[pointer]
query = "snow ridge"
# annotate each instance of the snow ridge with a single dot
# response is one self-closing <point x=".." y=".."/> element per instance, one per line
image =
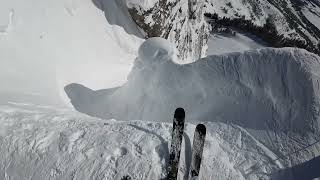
<point x="262" y="89"/>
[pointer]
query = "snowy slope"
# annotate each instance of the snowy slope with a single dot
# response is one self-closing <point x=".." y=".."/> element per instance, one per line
<point x="264" y="89"/>
<point x="46" y="143"/>
<point x="312" y="13"/>
<point x="45" y="45"/>
<point x="294" y="19"/>
<point x="223" y="43"/>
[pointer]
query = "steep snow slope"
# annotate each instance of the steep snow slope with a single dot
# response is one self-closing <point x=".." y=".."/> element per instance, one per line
<point x="46" y="143"/>
<point x="46" y="44"/>
<point x="294" y="19"/>
<point x="274" y="89"/>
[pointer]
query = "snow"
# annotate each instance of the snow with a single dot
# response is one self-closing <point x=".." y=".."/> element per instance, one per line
<point x="261" y="88"/>
<point x="48" y="143"/>
<point x="44" y="45"/>
<point x="4" y="29"/>
<point x="156" y="50"/>
<point x="255" y="104"/>
<point x="222" y="43"/>
<point x="144" y="4"/>
<point x="170" y="20"/>
<point x="259" y="10"/>
<point x="313" y="16"/>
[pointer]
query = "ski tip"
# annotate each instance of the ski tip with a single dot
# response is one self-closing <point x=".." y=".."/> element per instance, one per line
<point x="201" y="128"/>
<point x="179" y="113"/>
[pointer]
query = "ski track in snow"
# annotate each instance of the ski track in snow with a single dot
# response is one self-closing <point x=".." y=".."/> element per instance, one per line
<point x="48" y="143"/>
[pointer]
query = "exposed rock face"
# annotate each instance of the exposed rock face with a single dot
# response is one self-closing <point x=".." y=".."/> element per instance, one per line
<point x="181" y="22"/>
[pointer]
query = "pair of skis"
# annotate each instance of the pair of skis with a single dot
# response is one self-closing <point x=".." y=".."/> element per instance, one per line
<point x="197" y="148"/>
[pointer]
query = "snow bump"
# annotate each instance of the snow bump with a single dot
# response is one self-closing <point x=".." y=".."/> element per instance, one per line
<point x="155" y="50"/>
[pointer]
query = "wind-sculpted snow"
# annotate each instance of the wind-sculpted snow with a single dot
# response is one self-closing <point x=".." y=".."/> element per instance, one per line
<point x="43" y="143"/>
<point x="266" y="89"/>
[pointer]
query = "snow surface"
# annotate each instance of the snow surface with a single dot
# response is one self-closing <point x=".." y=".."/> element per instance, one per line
<point x="313" y="15"/>
<point x="287" y="15"/>
<point x="264" y="89"/>
<point x="44" y="45"/>
<point x="157" y="50"/>
<point x="47" y="143"/>
<point x="222" y="43"/>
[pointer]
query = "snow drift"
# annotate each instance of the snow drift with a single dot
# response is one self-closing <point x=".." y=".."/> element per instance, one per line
<point x="274" y="89"/>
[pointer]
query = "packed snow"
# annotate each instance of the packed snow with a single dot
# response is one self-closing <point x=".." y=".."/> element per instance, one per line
<point x="47" y="143"/>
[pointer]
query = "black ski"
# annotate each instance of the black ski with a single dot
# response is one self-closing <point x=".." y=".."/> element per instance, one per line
<point x="177" y="133"/>
<point x="197" y="150"/>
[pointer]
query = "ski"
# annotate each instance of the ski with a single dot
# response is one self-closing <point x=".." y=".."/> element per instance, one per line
<point x="177" y="134"/>
<point x="197" y="150"/>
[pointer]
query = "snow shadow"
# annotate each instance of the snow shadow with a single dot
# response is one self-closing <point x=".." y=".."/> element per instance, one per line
<point x="306" y="171"/>
<point x="116" y="13"/>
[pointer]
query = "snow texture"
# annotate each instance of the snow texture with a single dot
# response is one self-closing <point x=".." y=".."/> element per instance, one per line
<point x="156" y="51"/>
<point x="40" y="142"/>
<point x="45" y="45"/>
<point x="223" y="43"/>
<point x="274" y="89"/>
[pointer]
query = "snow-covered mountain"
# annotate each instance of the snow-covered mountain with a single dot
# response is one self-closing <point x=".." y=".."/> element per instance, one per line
<point x="295" y="20"/>
<point x="260" y="107"/>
